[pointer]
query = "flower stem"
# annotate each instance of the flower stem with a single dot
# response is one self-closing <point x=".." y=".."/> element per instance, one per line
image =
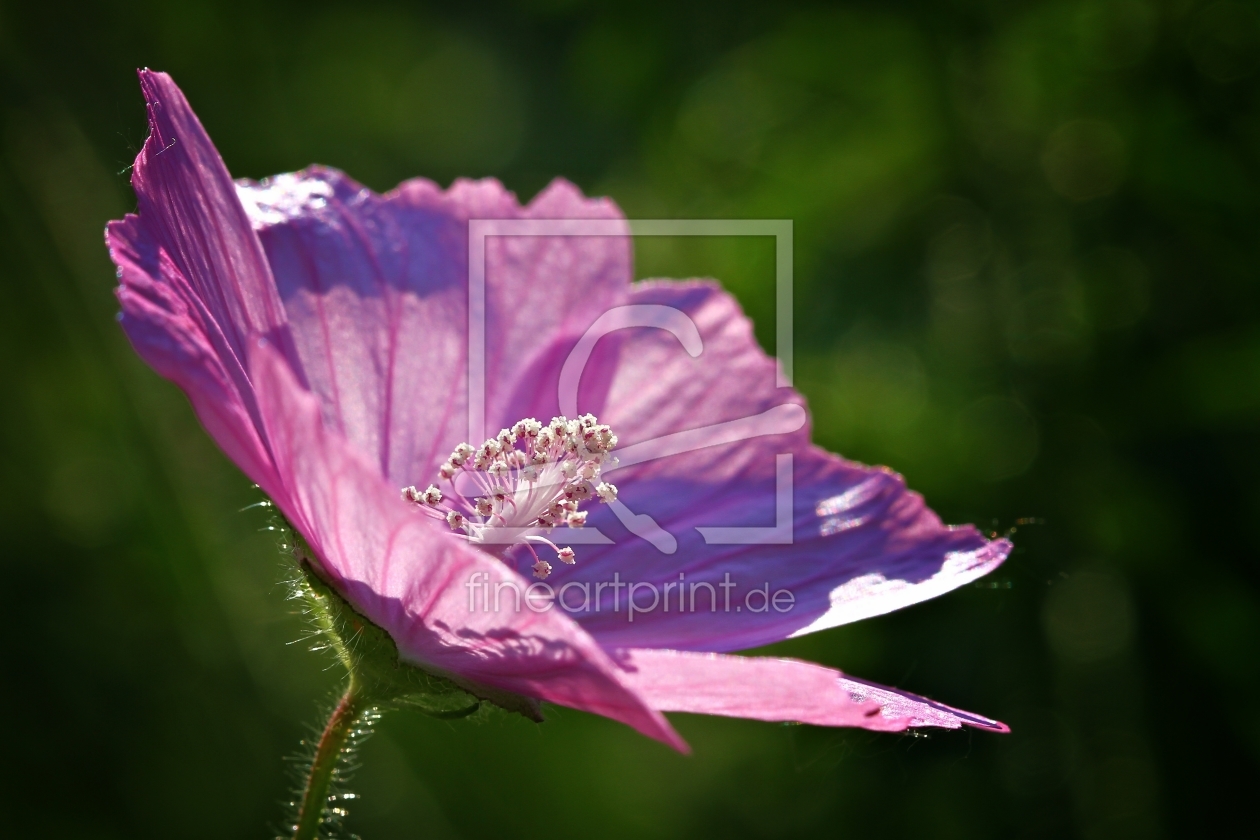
<point x="332" y="742"/>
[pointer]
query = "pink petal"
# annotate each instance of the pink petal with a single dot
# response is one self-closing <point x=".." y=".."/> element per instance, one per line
<point x="193" y="280"/>
<point x="917" y="710"/>
<point x="862" y="544"/>
<point x="187" y="202"/>
<point x="410" y="578"/>
<point x="172" y="332"/>
<point x="376" y="288"/>
<point x="779" y="690"/>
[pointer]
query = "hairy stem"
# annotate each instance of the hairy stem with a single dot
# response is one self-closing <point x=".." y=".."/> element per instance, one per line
<point x="341" y="725"/>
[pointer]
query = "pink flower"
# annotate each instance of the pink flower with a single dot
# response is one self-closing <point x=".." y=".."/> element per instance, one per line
<point x="321" y="332"/>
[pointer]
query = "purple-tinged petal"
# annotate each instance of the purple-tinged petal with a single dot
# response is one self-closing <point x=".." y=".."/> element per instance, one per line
<point x="765" y="688"/>
<point x="917" y="710"/>
<point x="377" y="290"/>
<point x="187" y="201"/>
<point x="861" y="543"/>
<point x="172" y="331"/>
<point x="761" y="688"/>
<point x="409" y="577"/>
<point x="194" y="283"/>
<point x="660" y="389"/>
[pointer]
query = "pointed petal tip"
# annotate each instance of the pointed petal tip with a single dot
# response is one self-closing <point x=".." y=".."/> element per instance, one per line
<point x="914" y="711"/>
<point x="667" y="735"/>
<point x="772" y="689"/>
<point x="151" y="84"/>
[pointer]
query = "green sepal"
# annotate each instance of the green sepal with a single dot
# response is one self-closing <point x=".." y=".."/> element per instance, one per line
<point x="371" y="658"/>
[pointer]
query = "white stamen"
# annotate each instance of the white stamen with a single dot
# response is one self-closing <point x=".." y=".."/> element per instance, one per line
<point x="579" y="491"/>
<point x="461" y="454"/>
<point x="530" y="478"/>
<point x="527" y="428"/>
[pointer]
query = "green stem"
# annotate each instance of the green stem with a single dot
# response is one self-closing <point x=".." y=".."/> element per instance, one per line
<point x="340" y="726"/>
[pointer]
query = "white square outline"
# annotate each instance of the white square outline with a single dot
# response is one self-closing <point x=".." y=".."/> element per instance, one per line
<point x="780" y="229"/>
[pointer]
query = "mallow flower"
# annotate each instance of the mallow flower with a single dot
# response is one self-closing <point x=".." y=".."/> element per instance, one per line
<point x="643" y="498"/>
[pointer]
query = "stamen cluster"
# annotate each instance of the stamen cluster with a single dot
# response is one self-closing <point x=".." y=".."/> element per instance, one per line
<point x="522" y="483"/>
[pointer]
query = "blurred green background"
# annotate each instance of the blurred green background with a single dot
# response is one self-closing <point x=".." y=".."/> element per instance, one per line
<point x="1026" y="278"/>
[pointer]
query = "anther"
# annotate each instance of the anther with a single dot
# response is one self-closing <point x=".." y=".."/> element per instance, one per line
<point x="527" y="428"/>
<point x="532" y="479"/>
<point x="580" y="491"/>
<point x="461" y="454"/>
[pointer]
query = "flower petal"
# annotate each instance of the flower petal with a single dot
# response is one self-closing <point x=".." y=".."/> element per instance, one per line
<point x="377" y="290"/>
<point x="194" y="283"/>
<point x="702" y="440"/>
<point x="172" y="331"/>
<point x="188" y="203"/>
<point x="420" y="584"/>
<point x="771" y="689"/>
<point x="916" y="709"/>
